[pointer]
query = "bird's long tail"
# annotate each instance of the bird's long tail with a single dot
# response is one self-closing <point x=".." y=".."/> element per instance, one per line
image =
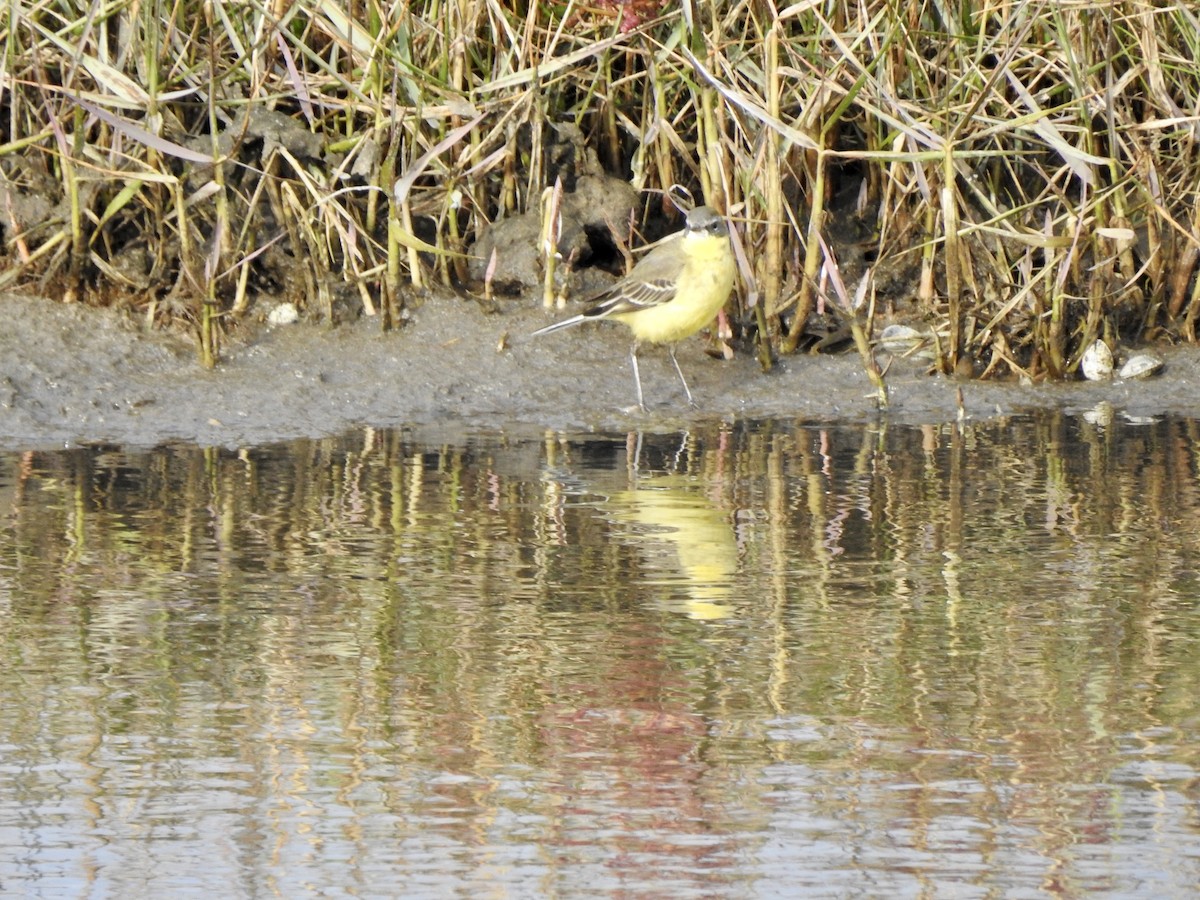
<point x="565" y="323"/>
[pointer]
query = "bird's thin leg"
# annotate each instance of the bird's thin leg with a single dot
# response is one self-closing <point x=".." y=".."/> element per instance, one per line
<point x="678" y="371"/>
<point x="637" y="377"/>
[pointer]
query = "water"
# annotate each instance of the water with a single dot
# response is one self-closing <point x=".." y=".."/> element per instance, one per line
<point x="759" y="660"/>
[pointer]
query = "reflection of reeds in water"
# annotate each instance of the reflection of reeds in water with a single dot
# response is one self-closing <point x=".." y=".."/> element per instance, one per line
<point x="891" y="573"/>
<point x="684" y="540"/>
<point x="361" y="643"/>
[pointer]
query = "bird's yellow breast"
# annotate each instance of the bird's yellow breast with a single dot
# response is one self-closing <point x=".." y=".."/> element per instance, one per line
<point x="701" y="290"/>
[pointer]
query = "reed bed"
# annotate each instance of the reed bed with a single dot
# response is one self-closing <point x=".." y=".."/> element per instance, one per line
<point x="1024" y="174"/>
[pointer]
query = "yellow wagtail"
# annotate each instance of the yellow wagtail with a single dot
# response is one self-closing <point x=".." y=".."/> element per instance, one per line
<point x="674" y="291"/>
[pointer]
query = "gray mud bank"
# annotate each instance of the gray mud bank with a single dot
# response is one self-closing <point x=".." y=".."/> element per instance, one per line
<point x="72" y="375"/>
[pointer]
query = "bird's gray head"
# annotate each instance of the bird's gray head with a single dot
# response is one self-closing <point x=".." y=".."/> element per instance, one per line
<point x="705" y="220"/>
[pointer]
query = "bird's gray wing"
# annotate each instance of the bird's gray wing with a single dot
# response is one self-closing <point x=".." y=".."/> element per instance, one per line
<point x="651" y="282"/>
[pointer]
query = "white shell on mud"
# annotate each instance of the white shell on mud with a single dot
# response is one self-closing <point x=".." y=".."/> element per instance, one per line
<point x="1097" y="362"/>
<point x="1140" y="365"/>
<point x="901" y="339"/>
<point x="283" y="314"/>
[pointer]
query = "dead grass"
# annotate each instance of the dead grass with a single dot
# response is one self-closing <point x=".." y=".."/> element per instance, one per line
<point x="1026" y="172"/>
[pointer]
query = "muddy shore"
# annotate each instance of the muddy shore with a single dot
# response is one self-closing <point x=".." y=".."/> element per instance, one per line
<point x="71" y="375"/>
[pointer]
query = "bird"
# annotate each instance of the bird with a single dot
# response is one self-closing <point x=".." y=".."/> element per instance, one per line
<point x="674" y="290"/>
